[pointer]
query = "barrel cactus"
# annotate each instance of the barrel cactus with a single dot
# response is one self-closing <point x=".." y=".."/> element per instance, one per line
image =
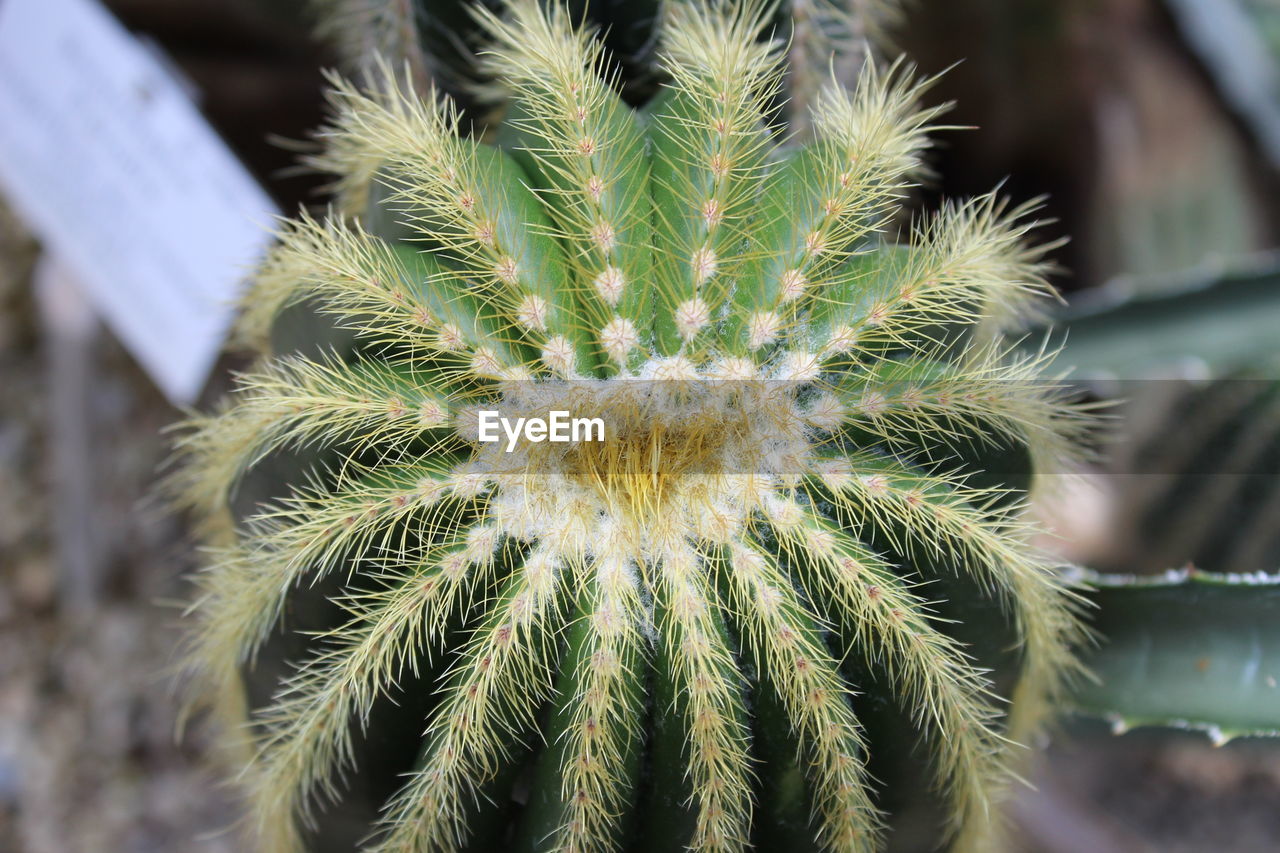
<point x="781" y="566"/>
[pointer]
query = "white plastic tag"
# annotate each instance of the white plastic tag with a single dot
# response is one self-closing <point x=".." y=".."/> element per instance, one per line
<point x="124" y="181"/>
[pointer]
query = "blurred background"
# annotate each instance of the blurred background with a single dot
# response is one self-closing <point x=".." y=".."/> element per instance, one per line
<point x="1152" y="128"/>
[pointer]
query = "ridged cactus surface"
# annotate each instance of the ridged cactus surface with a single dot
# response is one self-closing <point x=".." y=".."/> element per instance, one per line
<point x="653" y="641"/>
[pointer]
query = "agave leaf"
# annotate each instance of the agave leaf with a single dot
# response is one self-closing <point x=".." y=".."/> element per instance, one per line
<point x="1187" y="649"/>
<point x="1218" y="322"/>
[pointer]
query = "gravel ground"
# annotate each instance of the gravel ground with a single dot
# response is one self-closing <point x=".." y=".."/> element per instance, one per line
<point x="88" y="755"/>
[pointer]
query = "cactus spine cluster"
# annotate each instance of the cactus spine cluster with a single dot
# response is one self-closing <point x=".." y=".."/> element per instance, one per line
<point x="693" y="563"/>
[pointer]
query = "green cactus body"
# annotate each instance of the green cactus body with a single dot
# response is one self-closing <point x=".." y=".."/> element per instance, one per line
<point x="677" y="638"/>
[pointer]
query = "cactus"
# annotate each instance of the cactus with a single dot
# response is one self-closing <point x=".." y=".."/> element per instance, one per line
<point x="689" y="633"/>
<point x="829" y="35"/>
<point x="436" y="41"/>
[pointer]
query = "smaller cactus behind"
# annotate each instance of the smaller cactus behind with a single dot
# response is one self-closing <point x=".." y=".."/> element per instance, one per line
<point x="789" y="401"/>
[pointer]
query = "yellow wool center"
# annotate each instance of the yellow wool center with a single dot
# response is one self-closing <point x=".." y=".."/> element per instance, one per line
<point x="680" y="460"/>
<point x="636" y="472"/>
